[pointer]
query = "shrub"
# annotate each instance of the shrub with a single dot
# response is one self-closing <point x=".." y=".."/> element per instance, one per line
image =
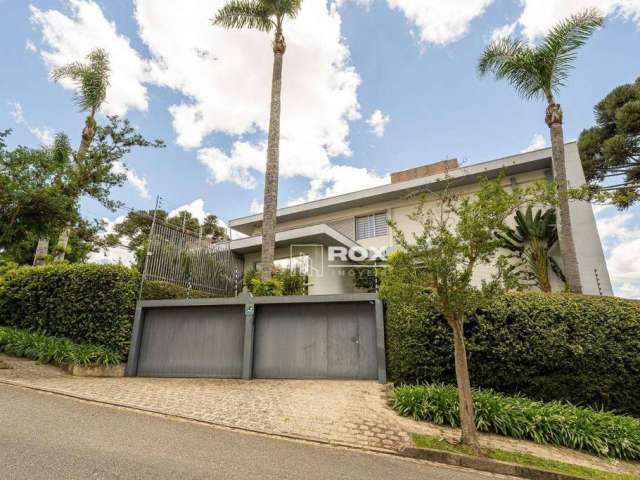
<point x="271" y="287"/>
<point x="43" y="348"/>
<point x="577" y="348"/>
<point x="284" y="282"/>
<point x="157" y="290"/>
<point x="89" y="304"/>
<point x="554" y="423"/>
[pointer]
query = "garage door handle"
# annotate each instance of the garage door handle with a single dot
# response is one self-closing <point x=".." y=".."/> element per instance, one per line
<point x="355" y="339"/>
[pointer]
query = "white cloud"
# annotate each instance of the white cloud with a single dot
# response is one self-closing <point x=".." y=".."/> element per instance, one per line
<point x="44" y="134"/>
<point x="441" y="22"/>
<point x="537" y="16"/>
<point x="29" y="45"/>
<point x="113" y="255"/>
<point x="136" y="181"/>
<point x="195" y="208"/>
<point x="504" y="31"/>
<point x="537" y="142"/>
<point x="71" y="38"/>
<point x="256" y="207"/>
<point x="620" y="235"/>
<point x="378" y="122"/>
<point x="225" y="77"/>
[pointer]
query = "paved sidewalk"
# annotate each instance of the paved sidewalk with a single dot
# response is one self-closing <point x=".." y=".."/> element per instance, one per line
<point x="350" y="413"/>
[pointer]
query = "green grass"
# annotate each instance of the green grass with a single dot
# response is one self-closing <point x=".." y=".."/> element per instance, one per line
<point x="45" y="349"/>
<point x="426" y="441"/>
<point x="554" y="423"/>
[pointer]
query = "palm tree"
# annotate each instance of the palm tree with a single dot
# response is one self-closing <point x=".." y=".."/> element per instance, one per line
<point x="538" y="72"/>
<point x="266" y="15"/>
<point x="531" y="241"/>
<point x="92" y="81"/>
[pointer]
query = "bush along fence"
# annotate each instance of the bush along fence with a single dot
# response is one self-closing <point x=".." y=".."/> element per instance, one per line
<point x="45" y="349"/>
<point x="556" y="423"/>
<point x="85" y="303"/>
<point x="576" y="348"/>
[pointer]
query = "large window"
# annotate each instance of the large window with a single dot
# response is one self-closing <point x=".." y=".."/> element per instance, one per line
<point x="370" y="226"/>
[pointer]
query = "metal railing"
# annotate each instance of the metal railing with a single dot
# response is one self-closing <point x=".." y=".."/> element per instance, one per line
<point x="191" y="261"/>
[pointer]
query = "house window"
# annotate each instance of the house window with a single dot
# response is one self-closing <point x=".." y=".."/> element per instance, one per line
<point x="370" y="226"/>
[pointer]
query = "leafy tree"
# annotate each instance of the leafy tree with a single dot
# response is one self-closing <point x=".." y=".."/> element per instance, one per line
<point x="40" y="188"/>
<point x="611" y="149"/>
<point x="538" y="72"/>
<point x="266" y="15"/>
<point x="531" y="242"/>
<point x="457" y="235"/>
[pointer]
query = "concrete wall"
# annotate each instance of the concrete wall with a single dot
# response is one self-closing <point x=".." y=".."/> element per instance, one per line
<point x="593" y="266"/>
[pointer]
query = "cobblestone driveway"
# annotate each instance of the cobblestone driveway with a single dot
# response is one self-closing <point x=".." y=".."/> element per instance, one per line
<point x="339" y="412"/>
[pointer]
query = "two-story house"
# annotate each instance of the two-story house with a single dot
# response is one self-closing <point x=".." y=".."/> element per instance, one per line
<point x="317" y="234"/>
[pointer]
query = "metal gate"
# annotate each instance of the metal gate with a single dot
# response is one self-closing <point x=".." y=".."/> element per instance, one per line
<point x="322" y="340"/>
<point x="194" y="342"/>
<point x="322" y="336"/>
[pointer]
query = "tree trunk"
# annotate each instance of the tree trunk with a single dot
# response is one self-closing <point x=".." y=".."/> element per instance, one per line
<point x="63" y="241"/>
<point x="42" y="250"/>
<point x="565" y="233"/>
<point x="273" y="153"/>
<point x="467" y="414"/>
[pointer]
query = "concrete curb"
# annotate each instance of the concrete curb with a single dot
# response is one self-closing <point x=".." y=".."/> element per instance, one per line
<point x="484" y="464"/>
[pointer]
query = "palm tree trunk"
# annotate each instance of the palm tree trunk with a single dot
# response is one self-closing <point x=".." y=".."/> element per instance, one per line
<point x="273" y="153"/>
<point x="565" y="232"/>
<point x="465" y="399"/>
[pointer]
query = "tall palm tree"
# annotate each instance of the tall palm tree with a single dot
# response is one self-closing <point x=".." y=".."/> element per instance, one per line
<point x="531" y="242"/>
<point x="92" y="81"/>
<point x="538" y="72"/>
<point x="266" y="15"/>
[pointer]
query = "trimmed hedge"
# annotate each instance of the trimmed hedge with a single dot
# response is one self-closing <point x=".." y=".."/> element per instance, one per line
<point x="86" y="303"/>
<point x="576" y="348"/>
<point x="156" y="290"/>
<point x="43" y="348"/>
<point x="554" y="423"/>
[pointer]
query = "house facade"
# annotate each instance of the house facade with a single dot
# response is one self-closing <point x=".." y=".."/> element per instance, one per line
<point x="326" y="237"/>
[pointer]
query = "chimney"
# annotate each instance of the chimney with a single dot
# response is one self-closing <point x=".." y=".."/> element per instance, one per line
<point x="424" y="171"/>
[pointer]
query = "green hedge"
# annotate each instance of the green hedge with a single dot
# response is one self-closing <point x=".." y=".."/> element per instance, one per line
<point x="43" y="348"/>
<point x="577" y="348"/>
<point x="156" y="290"/>
<point x="89" y="304"/>
<point x="554" y="423"/>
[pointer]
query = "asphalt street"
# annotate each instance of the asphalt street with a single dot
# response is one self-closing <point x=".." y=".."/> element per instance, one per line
<point x="45" y="436"/>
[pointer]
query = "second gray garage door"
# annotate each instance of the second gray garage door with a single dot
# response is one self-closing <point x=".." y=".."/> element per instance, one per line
<point x="330" y="340"/>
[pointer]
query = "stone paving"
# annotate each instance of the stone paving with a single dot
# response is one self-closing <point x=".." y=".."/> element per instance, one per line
<point x="351" y="413"/>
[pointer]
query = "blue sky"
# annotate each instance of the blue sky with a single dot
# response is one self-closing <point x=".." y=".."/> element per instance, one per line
<point x="370" y="87"/>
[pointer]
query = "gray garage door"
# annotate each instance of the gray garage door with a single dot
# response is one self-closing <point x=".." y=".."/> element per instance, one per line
<point x="331" y="340"/>
<point x="192" y="342"/>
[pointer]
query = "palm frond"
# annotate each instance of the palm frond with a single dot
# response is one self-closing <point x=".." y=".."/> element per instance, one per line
<point x="514" y="61"/>
<point x="254" y="14"/>
<point x="560" y="46"/>
<point x="290" y="8"/>
<point x="92" y="79"/>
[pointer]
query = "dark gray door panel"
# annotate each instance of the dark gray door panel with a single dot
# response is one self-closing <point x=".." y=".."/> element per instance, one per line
<point x="192" y="342"/>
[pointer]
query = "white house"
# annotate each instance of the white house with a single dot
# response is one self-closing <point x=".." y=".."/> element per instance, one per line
<point x="315" y="234"/>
